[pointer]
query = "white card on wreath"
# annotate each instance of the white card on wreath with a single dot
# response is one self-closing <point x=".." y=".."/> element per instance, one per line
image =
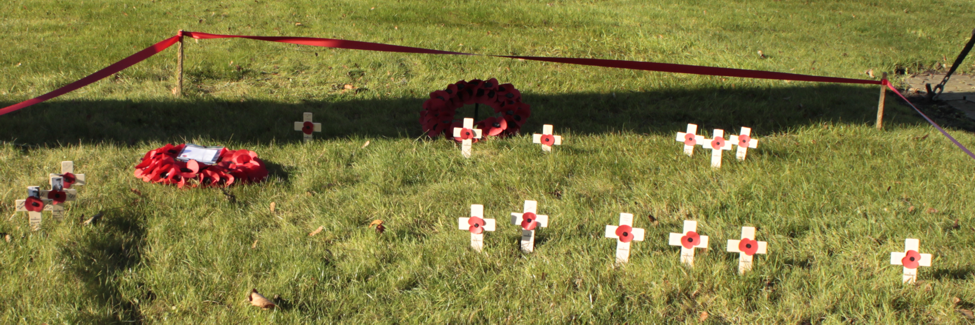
<point x="203" y="155"/>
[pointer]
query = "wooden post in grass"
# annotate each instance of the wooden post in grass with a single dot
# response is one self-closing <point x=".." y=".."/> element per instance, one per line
<point x="880" y="105"/>
<point x="179" y="66"/>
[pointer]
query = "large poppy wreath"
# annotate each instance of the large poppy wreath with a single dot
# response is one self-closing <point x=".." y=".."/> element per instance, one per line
<point x="161" y="166"/>
<point x="437" y="116"/>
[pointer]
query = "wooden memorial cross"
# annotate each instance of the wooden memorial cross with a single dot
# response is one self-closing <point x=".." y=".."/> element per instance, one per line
<point x="688" y="241"/>
<point x="33" y="205"/>
<point x="716" y="144"/>
<point x="547" y="139"/>
<point x="624" y="234"/>
<point x="476" y="224"/>
<point x="58" y="195"/>
<point x="466" y="134"/>
<point x="690" y="139"/>
<point x="911" y="259"/>
<point x="744" y="141"/>
<point x="746" y="247"/>
<point x="70" y="179"/>
<point x="528" y="220"/>
<point x="307" y="126"/>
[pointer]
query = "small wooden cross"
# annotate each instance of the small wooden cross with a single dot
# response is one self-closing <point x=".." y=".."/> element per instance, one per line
<point x="307" y="126"/>
<point x="466" y="134"/>
<point x="910" y="259"/>
<point x="624" y="233"/>
<point x="717" y="144"/>
<point x="34" y="207"/>
<point x="746" y="247"/>
<point x="477" y="225"/>
<point x="70" y="179"/>
<point x="528" y="220"/>
<point x="690" y="139"/>
<point x="688" y="241"/>
<point x="744" y="141"/>
<point x="547" y="139"/>
<point x="58" y="196"/>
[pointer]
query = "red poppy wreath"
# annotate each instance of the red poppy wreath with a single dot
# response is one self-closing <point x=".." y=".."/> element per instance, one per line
<point x="437" y="116"/>
<point x="161" y="166"/>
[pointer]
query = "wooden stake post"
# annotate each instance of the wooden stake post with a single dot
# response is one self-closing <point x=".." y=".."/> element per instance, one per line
<point x="746" y="247"/>
<point x="467" y="134"/>
<point x="547" y="139"/>
<point x="38" y="204"/>
<point x="717" y="145"/>
<point x="477" y="225"/>
<point x="624" y="234"/>
<point x="688" y="241"/>
<point x="744" y="141"/>
<point x="690" y="139"/>
<point x="179" y="66"/>
<point x="528" y="220"/>
<point x="306" y="126"/>
<point x="911" y="259"/>
<point x="880" y="105"/>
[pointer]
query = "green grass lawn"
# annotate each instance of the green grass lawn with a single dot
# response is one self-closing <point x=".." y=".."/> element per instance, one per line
<point x="830" y="194"/>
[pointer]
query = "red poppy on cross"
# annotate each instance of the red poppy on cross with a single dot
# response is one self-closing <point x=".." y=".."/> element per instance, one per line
<point x="58" y="196"/>
<point x="717" y="145"/>
<point x="528" y="220"/>
<point x="688" y="241"/>
<point x="746" y="247"/>
<point x="690" y="139"/>
<point x="547" y="139"/>
<point x="476" y="224"/>
<point x="33" y="205"/>
<point x="465" y="135"/>
<point x="744" y="141"/>
<point x="307" y="126"/>
<point x="70" y="179"/>
<point x="624" y="233"/>
<point x="911" y="259"/>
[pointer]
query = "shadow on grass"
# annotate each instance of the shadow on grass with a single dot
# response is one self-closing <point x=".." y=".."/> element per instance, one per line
<point x="100" y="256"/>
<point x="666" y="111"/>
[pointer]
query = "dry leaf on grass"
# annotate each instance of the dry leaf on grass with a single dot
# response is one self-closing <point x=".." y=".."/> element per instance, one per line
<point x="272" y="207"/>
<point x="257" y="300"/>
<point x="365" y="145"/>
<point x="136" y="191"/>
<point x="7" y="237"/>
<point x="316" y="231"/>
<point x="379" y="226"/>
<point x="254" y="245"/>
<point x="653" y="220"/>
<point x="704" y="316"/>
<point x="932" y="210"/>
<point x="93" y="219"/>
<point x="967" y="313"/>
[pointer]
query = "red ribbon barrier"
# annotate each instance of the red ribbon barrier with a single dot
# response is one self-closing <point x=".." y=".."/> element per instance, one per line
<point x="368" y="46"/>
<point x="99" y="75"/>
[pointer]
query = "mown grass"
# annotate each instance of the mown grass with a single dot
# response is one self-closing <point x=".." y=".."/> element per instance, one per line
<point x="831" y="195"/>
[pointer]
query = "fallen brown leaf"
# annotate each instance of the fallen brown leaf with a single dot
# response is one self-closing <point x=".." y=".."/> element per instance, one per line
<point x="955" y="300"/>
<point x="93" y="219"/>
<point x="911" y="209"/>
<point x="254" y="245"/>
<point x="379" y="226"/>
<point x="7" y="237"/>
<point x="316" y="231"/>
<point x="272" y="207"/>
<point x="136" y="191"/>
<point x="956" y="225"/>
<point x="704" y="316"/>
<point x="257" y="300"/>
<point x="653" y="220"/>
<point x="932" y="210"/>
<point x="349" y="86"/>
<point x="365" y="145"/>
<point x="967" y="313"/>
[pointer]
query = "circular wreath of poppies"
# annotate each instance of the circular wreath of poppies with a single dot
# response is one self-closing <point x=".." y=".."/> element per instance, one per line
<point x="161" y="166"/>
<point x="437" y="116"/>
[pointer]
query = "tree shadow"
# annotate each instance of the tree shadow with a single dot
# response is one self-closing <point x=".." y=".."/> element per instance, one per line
<point x="100" y="256"/>
<point x="666" y="111"/>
